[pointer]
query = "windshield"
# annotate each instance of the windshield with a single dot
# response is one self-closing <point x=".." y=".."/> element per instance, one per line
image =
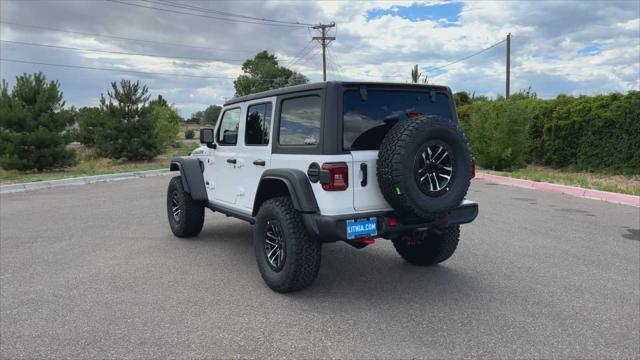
<point x="366" y="122"/>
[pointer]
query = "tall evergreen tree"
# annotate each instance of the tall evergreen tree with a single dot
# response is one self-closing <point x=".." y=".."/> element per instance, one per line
<point x="129" y="131"/>
<point x="34" y="124"/>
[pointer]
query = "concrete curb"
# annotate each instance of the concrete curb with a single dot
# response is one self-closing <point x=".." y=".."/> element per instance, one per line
<point x="565" y="189"/>
<point x="38" y="185"/>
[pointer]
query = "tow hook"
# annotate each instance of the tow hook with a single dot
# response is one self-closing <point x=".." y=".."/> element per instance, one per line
<point x="361" y="242"/>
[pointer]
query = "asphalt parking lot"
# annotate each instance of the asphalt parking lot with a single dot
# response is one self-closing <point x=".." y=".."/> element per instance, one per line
<point x="94" y="272"/>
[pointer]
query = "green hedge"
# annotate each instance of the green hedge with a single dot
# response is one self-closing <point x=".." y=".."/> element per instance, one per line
<point x="592" y="133"/>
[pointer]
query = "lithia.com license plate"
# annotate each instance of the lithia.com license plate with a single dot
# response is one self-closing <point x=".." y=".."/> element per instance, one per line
<point x="361" y="227"/>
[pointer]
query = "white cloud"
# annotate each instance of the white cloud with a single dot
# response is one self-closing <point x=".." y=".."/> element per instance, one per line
<point x="547" y="40"/>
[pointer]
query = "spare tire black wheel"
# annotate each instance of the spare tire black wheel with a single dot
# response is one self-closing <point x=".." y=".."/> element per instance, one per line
<point x="424" y="166"/>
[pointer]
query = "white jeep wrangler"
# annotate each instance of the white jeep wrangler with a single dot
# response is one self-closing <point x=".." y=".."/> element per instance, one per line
<point x="326" y="162"/>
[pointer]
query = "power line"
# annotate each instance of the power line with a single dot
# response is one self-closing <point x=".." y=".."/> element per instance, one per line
<point x="197" y="8"/>
<point x="207" y="16"/>
<point x="117" y="37"/>
<point x="115" y="70"/>
<point x="118" y="52"/>
<point x="290" y="61"/>
<point x="315" y="46"/>
<point x="450" y="63"/>
<point x="467" y="57"/>
<point x="313" y="51"/>
<point x="333" y="63"/>
<point x="127" y="71"/>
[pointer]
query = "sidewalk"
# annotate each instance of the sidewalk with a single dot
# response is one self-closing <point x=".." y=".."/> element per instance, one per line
<point x="11" y="188"/>
<point x="565" y="189"/>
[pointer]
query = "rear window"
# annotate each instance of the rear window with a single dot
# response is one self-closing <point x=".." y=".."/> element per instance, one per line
<point x="366" y="122"/>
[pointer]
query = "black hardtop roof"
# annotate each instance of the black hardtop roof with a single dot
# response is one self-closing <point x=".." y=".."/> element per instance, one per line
<point x="322" y="85"/>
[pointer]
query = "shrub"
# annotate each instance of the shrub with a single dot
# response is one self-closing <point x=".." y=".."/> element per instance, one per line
<point x="167" y="123"/>
<point x="592" y="133"/>
<point x="189" y="134"/>
<point x="34" y="125"/>
<point x="498" y="130"/>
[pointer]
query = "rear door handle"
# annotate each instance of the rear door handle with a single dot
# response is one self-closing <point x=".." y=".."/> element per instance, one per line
<point x="363" y="168"/>
<point x="231" y="161"/>
<point x="259" y="162"/>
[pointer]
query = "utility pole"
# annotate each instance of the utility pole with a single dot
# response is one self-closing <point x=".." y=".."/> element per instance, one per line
<point x="324" y="40"/>
<point x="508" y="64"/>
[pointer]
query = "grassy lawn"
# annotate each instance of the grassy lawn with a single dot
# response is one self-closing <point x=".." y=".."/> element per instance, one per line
<point x="98" y="166"/>
<point x="615" y="183"/>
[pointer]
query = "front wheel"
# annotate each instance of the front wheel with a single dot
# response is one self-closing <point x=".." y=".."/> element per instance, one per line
<point x="186" y="216"/>
<point x="428" y="247"/>
<point x="288" y="256"/>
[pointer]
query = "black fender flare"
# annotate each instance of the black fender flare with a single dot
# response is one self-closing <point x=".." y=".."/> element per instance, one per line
<point x="297" y="184"/>
<point x="192" y="178"/>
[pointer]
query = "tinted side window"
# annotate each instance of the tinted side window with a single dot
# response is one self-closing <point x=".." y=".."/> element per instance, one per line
<point x="366" y="122"/>
<point x="258" y="124"/>
<point x="228" y="131"/>
<point x="300" y="121"/>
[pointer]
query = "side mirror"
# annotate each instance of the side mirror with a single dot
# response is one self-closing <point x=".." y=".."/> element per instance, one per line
<point x="207" y="138"/>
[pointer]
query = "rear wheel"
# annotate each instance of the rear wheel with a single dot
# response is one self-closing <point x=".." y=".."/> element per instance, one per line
<point x="428" y="247"/>
<point x="288" y="257"/>
<point x="186" y="216"/>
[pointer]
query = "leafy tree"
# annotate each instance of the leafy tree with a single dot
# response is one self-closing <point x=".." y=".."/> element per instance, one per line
<point x="130" y="129"/>
<point x="197" y="117"/>
<point x="263" y="73"/>
<point x="210" y="115"/>
<point x="34" y="124"/>
<point x="189" y="134"/>
<point x="167" y="122"/>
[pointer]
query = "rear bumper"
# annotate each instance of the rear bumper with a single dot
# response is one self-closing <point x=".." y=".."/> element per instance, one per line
<point x="334" y="228"/>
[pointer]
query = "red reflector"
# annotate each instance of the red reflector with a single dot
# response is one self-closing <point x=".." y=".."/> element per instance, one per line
<point x="473" y="168"/>
<point x="393" y="222"/>
<point x="339" y="176"/>
<point x="412" y="114"/>
<point x="368" y="241"/>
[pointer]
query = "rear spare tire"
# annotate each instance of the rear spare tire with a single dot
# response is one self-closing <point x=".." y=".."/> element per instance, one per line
<point x="424" y="166"/>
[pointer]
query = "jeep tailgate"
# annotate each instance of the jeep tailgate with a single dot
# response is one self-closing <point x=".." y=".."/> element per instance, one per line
<point x="366" y="192"/>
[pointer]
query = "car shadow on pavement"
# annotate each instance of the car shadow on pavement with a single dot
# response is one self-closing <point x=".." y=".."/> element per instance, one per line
<point x="373" y="274"/>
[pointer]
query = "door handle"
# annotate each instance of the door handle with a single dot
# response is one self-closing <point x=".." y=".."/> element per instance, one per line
<point x="231" y="161"/>
<point x="259" y="162"/>
<point x="363" y="168"/>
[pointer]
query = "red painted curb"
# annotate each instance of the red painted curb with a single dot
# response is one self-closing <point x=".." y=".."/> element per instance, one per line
<point x="565" y="189"/>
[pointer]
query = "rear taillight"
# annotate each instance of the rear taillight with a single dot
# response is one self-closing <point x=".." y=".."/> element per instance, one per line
<point x="338" y="176"/>
<point x="473" y="168"/>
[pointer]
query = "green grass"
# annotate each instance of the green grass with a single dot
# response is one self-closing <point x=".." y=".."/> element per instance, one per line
<point x="614" y="183"/>
<point x="98" y="166"/>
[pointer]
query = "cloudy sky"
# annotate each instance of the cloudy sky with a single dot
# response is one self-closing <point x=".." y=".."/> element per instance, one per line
<point x="572" y="47"/>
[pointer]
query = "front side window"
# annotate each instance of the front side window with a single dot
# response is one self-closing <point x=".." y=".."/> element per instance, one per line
<point x="366" y="122"/>
<point x="228" y="130"/>
<point x="258" y="124"/>
<point x="300" y="121"/>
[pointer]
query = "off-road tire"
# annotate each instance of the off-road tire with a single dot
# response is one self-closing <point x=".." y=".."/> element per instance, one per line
<point x="428" y="247"/>
<point x="395" y="166"/>
<point x="302" y="250"/>
<point x="191" y="216"/>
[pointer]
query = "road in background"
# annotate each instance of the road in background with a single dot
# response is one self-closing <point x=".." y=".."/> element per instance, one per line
<point x="94" y="272"/>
